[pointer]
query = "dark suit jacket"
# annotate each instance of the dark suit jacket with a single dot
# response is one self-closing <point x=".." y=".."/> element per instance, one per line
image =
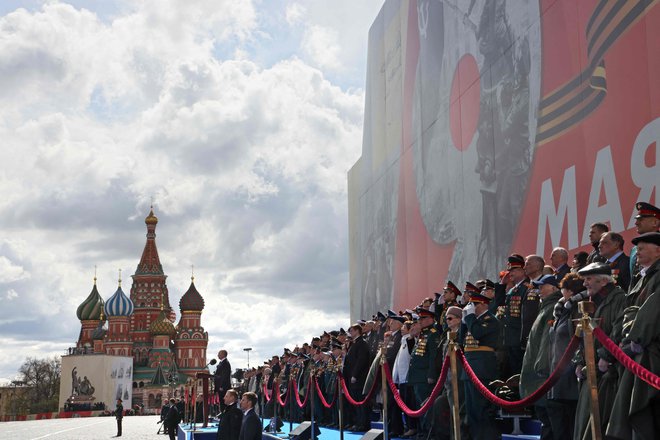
<point x="230" y="423"/>
<point x="393" y="348"/>
<point x="621" y="271"/>
<point x="250" y="427"/>
<point x="172" y="418"/>
<point x="222" y="377"/>
<point x="356" y="362"/>
<point x="561" y="272"/>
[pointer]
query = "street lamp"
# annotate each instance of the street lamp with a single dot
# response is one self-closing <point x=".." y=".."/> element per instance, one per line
<point x="247" y="350"/>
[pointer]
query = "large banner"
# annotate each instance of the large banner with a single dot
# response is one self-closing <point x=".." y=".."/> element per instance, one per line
<point x="498" y="126"/>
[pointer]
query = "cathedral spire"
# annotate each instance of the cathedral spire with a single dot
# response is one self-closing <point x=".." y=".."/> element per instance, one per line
<point x="150" y="261"/>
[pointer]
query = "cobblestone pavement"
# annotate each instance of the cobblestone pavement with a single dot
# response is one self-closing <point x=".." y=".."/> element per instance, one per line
<point x="88" y="428"/>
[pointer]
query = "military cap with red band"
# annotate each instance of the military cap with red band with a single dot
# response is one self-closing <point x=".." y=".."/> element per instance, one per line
<point x="452" y="288"/>
<point x="515" y="261"/>
<point x="646" y="210"/>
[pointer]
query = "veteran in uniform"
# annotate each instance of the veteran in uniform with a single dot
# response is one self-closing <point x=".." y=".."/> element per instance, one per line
<point x="609" y="300"/>
<point x="422" y="372"/>
<point x="511" y="317"/>
<point x="647" y="220"/>
<point x="479" y="333"/>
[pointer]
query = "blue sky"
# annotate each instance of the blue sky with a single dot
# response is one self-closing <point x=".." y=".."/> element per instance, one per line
<point x="239" y="118"/>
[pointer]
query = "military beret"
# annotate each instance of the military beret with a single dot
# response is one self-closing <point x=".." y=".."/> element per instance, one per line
<point x="649" y="237"/>
<point x="595" y="269"/>
<point x="515" y="261"/>
<point x="646" y="210"/>
<point x="452" y="288"/>
<point x="546" y="279"/>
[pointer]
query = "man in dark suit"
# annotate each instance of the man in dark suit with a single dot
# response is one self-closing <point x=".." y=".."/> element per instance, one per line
<point x="251" y="425"/>
<point x="222" y="377"/>
<point x="611" y="247"/>
<point x="559" y="262"/>
<point x="596" y="230"/>
<point x="119" y="415"/>
<point x="231" y="418"/>
<point x="356" y="368"/>
<point x="172" y="420"/>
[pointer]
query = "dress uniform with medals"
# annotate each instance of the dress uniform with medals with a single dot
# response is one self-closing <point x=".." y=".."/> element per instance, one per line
<point x="479" y="336"/>
<point x="512" y="317"/>
<point x="422" y="373"/>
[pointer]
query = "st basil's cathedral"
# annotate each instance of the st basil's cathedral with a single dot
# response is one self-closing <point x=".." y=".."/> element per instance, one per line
<point x="141" y="325"/>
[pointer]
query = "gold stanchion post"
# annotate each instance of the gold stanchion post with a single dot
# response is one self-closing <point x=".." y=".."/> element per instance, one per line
<point x="383" y="384"/>
<point x="340" y="396"/>
<point x="587" y="308"/>
<point x="453" y="346"/>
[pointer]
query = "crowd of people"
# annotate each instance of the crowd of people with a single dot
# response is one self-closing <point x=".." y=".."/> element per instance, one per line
<point x="512" y="331"/>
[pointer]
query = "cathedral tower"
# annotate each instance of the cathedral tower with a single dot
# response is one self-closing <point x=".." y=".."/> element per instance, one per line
<point x="191" y="340"/>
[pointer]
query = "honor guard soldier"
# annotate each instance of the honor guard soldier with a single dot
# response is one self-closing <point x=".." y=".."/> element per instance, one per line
<point x="479" y="333"/>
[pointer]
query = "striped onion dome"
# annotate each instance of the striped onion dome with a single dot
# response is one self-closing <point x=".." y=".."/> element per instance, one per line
<point x="191" y="300"/>
<point x="92" y="306"/>
<point x="118" y="304"/>
<point x="162" y="325"/>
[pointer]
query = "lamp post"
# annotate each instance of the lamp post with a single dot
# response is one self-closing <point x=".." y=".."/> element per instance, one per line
<point x="247" y="350"/>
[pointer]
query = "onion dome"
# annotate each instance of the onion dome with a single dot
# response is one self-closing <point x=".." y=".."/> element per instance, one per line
<point x="162" y="325"/>
<point x="151" y="218"/>
<point x="191" y="300"/>
<point x="118" y="304"/>
<point x="92" y="306"/>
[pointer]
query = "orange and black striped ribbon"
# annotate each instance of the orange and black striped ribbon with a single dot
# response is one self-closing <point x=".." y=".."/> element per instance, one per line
<point x="564" y="107"/>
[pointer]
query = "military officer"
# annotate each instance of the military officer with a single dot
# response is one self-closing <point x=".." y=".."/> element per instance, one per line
<point x="511" y="317"/>
<point x="422" y="373"/>
<point x="646" y="220"/>
<point x="446" y="299"/>
<point x="479" y="333"/>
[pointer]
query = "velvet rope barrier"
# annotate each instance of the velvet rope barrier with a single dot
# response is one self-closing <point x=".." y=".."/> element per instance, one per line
<point x="266" y="394"/>
<point x="536" y="395"/>
<point x="279" y="396"/>
<point x="348" y="395"/>
<point x="434" y="394"/>
<point x="625" y="360"/>
<point x="322" y="398"/>
<point x="297" y="394"/>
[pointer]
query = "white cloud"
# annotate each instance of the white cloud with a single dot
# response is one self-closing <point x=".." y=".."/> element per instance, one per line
<point x="322" y="45"/>
<point x="11" y="294"/>
<point x="10" y="272"/>
<point x="295" y="12"/>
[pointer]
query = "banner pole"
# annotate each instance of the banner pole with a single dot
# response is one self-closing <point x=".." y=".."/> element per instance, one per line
<point x="586" y="308"/>
<point x="453" y="346"/>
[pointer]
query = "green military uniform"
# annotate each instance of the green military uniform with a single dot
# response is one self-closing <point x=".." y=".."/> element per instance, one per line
<point x="422" y="368"/>
<point x="536" y="362"/>
<point x="609" y="307"/>
<point x="479" y="339"/>
<point x="637" y="404"/>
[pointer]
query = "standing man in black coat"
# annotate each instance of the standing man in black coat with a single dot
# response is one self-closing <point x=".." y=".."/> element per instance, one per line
<point x="222" y="379"/>
<point x="250" y="425"/>
<point x="231" y="418"/>
<point x="172" y="420"/>
<point x="611" y="248"/>
<point x="356" y="368"/>
<point x="119" y="414"/>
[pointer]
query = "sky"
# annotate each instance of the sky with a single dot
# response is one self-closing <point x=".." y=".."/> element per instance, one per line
<point x="237" y="119"/>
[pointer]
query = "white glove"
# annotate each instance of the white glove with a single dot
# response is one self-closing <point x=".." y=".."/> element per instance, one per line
<point x="578" y="372"/>
<point x="353" y="380"/>
<point x="441" y="299"/>
<point x="469" y="309"/>
<point x="603" y="365"/>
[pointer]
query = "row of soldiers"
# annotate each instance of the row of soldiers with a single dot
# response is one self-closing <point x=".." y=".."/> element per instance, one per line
<point x="514" y="330"/>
